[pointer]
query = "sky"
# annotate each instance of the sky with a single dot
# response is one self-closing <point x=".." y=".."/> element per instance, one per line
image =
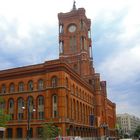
<point x="29" y="35"/>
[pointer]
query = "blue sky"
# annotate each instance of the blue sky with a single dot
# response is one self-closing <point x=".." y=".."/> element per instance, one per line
<point x="29" y="35"/>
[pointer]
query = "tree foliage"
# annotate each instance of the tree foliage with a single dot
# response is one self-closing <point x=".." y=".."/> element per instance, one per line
<point x="3" y="116"/>
<point x="137" y="132"/>
<point x="50" y="131"/>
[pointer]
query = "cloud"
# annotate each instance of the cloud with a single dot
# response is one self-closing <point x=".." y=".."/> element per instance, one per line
<point x="29" y="35"/>
<point x="17" y="50"/>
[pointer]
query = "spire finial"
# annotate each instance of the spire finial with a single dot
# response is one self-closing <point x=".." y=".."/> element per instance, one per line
<point x="74" y="6"/>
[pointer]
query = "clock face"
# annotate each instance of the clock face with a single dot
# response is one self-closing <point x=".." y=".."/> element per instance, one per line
<point x="72" y="28"/>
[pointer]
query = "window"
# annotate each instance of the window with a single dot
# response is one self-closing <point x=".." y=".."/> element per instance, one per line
<point x="73" y="43"/>
<point x="89" y="34"/>
<point x="31" y="106"/>
<point x="12" y="88"/>
<point x="21" y="87"/>
<point x="40" y="84"/>
<point x="55" y="110"/>
<point x="19" y="132"/>
<point x="41" y="115"/>
<point x="30" y="85"/>
<point x="20" y="110"/>
<point x="40" y="100"/>
<point x="40" y="107"/>
<point x="39" y="132"/>
<point x="73" y="89"/>
<point x="54" y="81"/>
<point x="61" y="28"/>
<point x="76" y="91"/>
<point x="81" y="24"/>
<point x="85" y="44"/>
<point x="67" y="83"/>
<point x="61" y="46"/>
<point x="2" y="105"/>
<point x="3" y="88"/>
<point x="9" y="132"/>
<point x="11" y="109"/>
<point x="81" y="43"/>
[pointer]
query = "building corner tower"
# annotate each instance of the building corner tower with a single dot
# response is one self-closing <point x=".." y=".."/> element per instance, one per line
<point x="75" y="45"/>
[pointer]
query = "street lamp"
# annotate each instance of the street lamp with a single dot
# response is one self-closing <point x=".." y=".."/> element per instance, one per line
<point x="104" y="126"/>
<point x="28" y="118"/>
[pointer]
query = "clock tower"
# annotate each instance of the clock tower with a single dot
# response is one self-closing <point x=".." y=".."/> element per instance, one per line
<point x="75" y="41"/>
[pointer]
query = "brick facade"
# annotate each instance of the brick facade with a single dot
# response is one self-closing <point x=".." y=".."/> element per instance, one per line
<point x="66" y="91"/>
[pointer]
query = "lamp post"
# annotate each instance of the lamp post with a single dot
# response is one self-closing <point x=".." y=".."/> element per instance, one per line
<point x="104" y="126"/>
<point x="28" y="118"/>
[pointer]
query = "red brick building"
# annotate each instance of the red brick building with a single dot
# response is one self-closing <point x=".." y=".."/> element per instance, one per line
<point x="66" y="91"/>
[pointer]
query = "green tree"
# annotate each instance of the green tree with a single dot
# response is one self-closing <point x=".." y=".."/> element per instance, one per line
<point x="50" y="131"/>
<point x="137" y="132"/>
<point x="3" y="116"/>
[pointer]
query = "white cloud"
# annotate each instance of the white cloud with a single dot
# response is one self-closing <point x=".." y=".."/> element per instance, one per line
<point x="27" y="29"/>
<point x="122" y="66"/>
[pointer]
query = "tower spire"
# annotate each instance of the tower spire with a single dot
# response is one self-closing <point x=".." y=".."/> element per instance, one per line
<point x="74" y="6"/>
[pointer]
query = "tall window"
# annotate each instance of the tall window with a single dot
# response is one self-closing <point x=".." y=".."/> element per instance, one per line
<point x="85" y="44"/>
<point x="9" y="132"/>
<point x="21" y="87"/>
<point x="20" y="110"/>
<point x="67" y="82"/>
<point x="73" y="43"/>
<point x="12" y="88"/>
<point x="61" y="46"/>
<point x="76" y="91"/>
<point x="2" y="105"/>
<point x="3" y="90"/>
<point x="19" y="133"/>
<point x="81" y="42"/>
<point x="30" y="85"/>
<point x="89" y="34"/>
<point x="54" y="81"/>
<point x="11" y="109"/>
<point x="61" y="30"/>
<point x="54" y="105"/>
<point x="40" y="107"/>
<point x="39" y="132"/>
<point x="40" y="84"/>
<point x="31" y="106"/>
<point x="81" y="24"/>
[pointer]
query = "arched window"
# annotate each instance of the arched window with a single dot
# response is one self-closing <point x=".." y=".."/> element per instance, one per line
<point x="12" y="88"/>
<point x="3" y="90"/>
<point x="61" y="47"/>
<point x="77" y="110"/>
<point x="73" y="89"/>
<point x="30" y="104"/>
<point x="54" y="81"/>
<point x="61" y="28"/>
<point x="54" y="106"/>
<point x="73" y="43"/>
<point x="2" y="104"/>
<point x="11" y="108"/>
<point x="40" y="107"/>
<point x="76" y="91"/>
<point x="30" y="85"/>
<point x="20" y="108"/>
<point x="21" y="87"/>
<point x="40" y="100"/>
<point x="40" y="84"/>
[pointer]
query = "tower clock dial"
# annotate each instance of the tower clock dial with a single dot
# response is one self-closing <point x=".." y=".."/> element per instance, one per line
<point x="72" y="28"/>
